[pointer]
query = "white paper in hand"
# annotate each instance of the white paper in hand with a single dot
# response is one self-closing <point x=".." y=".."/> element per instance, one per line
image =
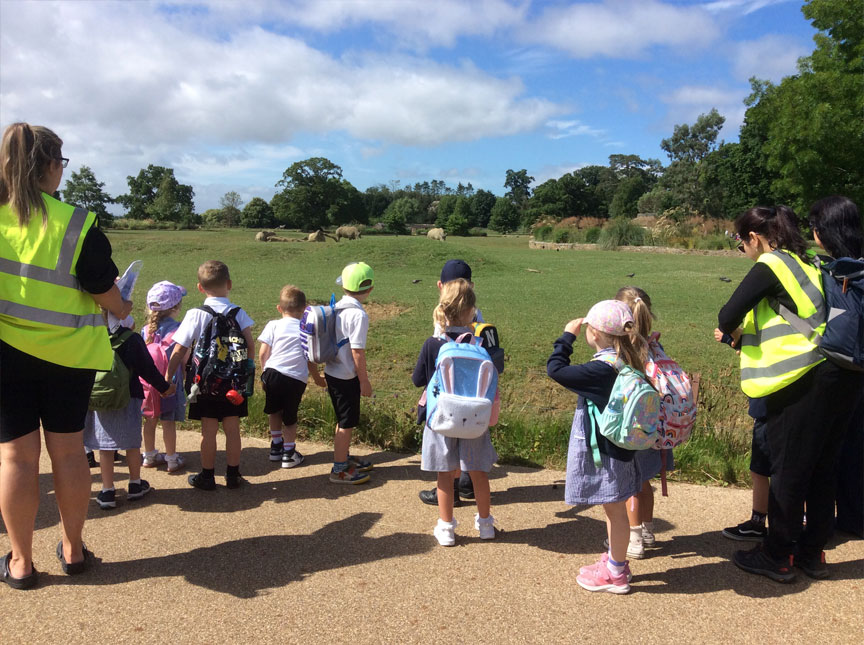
<point x="126" y="284"/>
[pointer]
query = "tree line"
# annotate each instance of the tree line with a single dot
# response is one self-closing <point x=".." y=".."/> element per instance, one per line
<point x="801" y="139"/>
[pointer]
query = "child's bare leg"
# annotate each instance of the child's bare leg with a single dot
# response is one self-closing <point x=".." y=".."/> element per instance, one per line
<point x="169" y="436"/>
<point x="634" y="509"/>
<point x="289" y="433"/>
<point x="617" y="529"/>
<point x="482" y="495"/>
<point x="133" y="460"/>
<point x="445" y="494"/>
<point x="233" y="447"/>
<point x="106" y="468"/>
<point x="761" y="486"/>
<point x="645" y="499"/>
<point x="341" y="443"/>
<point x="275" y="422"/>
<point x="209" y="429"/>
<point x="148" y="433"/>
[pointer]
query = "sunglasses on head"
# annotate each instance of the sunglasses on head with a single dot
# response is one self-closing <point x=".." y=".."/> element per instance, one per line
<point x="738" y="239"/>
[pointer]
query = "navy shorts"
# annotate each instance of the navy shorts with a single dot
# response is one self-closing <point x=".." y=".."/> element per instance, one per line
<point x="760" y="456"/>
<point x="345" y="396"/>
<point x="34" y="392"/>
<point x="213" y="408"/>
<point x="282" y="394"/>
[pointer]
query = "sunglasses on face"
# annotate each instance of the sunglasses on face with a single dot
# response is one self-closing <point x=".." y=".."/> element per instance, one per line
<point x="740" y="246"/>
<point x="63" y="161"/>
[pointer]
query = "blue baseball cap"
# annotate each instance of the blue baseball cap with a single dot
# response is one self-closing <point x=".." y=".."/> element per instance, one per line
<point x="454" y="269"/>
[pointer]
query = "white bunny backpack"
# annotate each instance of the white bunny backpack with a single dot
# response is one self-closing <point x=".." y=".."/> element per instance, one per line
<point x="461" y="392"/>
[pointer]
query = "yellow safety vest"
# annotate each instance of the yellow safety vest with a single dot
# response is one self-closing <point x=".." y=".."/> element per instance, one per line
<point x="43" y="311"/>
<point x="773" y="353"/>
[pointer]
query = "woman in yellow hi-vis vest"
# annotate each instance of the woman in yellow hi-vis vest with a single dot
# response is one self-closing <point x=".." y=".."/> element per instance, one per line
<point x="808" y="400"/>
<point x="55" y="271"/>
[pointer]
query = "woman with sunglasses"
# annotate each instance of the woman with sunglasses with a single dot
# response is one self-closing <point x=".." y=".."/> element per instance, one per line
<point x="809" y="401"/>
<point x="55" y="272"/>
<point x="837" y="228"/>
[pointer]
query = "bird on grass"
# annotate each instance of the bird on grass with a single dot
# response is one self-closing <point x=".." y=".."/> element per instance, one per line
<point x="723" y="278"/>
<point x="630" y="275"/>
<point x="415" y="281"/>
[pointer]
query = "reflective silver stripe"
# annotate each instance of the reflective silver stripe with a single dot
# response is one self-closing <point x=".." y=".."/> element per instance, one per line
<point x="782" y="367"/>
<point x="767" y="333"/>
<point x="810" y="289"/>
<point x="34" y="314"/>
<point x="61" y="275"/>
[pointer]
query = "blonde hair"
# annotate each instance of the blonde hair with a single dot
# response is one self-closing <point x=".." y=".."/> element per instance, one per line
<point x="640" y="307"/>
<point x="455" y="303"/>
<point x="291" y="299"/>
<point x="153" y="318"/>
<point x="623" y="346"/>
<point x="213" y="273"/>
<point x="26" y="154"/>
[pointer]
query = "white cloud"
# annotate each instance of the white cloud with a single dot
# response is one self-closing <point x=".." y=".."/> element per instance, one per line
<point x="555" y="171"/>
<point x="688" y="102"/>
<point x="572" y="128"/>
<point x="745" y="7"/>
<point x="769" y="58"/>
<point x="621" y="28"/>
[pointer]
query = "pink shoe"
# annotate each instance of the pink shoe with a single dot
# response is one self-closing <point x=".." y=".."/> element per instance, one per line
<point x="603" y="560"/>
<point x="599" y="578"/>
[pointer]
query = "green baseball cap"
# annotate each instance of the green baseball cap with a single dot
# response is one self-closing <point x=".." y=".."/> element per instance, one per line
<point x="356" y="274"/>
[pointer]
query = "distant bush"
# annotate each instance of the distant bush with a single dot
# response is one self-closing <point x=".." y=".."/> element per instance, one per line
<point x="592" y="234"/>
<point x="126" y="224"/>
<point x="561" y="236"/>
<point x="477" y="232"/>
<point x="543" y="233"/>
<point x="621" y="231"/>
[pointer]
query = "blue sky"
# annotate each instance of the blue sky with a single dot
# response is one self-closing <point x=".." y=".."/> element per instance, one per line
<point x="229" y="94"/>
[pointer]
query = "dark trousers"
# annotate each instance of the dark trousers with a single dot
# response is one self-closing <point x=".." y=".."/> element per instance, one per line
<point x="807" y="422"/>
<point x="850" y="476"/>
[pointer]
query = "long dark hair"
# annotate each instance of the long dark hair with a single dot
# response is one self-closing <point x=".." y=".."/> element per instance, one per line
<point x="837" y="221"/>
<point x="777" y="224"/>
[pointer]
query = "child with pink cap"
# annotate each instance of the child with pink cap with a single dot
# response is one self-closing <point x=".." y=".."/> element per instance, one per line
<point x="163" y="304"/>
<point x="607" y="327"/>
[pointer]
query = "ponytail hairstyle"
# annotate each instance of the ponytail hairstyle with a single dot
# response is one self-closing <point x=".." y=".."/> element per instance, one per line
<point x="838" y="223"/>
<point x="777" y="224"/>
<point x="26" y="154"/>
<point x="153" y="318"/>
<point x="640" y="305"/>
<point x="623" y="346"/>
<point x="455" y="304"/>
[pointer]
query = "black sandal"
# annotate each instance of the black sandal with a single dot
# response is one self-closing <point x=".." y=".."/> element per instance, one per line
<point x="74" y="568"/>
<point x="25" y="582"/>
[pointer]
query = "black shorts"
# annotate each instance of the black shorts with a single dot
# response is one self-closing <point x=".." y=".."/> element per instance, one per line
<point x="282" y="394"/>
<point x="34" y="392"/>
<point x="213" y="408"/>
<point x="760" y="457"/>
<point x="345" y="396"/>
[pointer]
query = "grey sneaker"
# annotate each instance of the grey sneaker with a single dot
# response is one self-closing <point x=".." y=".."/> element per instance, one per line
<point x="291" y="459"/>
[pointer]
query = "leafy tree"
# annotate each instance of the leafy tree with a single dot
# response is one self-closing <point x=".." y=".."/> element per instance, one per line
<point x="84" y="191"/>
<point x="376" y="199"/>
<point x="257" y="214"/>
<point x="213" y="217"/>
<point x="600" y="186"/>
<point x="693" y="143"/>
<point x="518" y="185"/>
<point x="548" y="200"/>
<point x="349" y="206"/>
<point x="624" y="202"/>
<point x="311" y="189"/>
<point x="481" y="207"/>
<point x="505" y="216"/>
<point x="458" y="223"/>
<point x="446" y="207"/>
<point x="231" y="203"/>
<point x="404" y="209"/>
<point x="144" y="190"/>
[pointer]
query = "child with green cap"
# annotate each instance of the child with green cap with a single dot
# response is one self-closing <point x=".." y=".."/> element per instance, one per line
<point x="346" y="375"/>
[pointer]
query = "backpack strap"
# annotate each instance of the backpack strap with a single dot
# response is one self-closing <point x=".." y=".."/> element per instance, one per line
<point x="208" y="309"/>
<point x="593" y="446"/>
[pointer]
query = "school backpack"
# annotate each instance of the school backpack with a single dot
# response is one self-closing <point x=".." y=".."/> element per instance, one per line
<point x="842" y="342"/>
<point x="488" y="334"/>
<point x="631" y="419"/>
<point x="219" y="362"/>
<point x="158" y="348"/>
<point x="461" y="392"/>
<point x="111" y="389"/>
<point x="318" y="331"/>
<point x="677" y="401"/>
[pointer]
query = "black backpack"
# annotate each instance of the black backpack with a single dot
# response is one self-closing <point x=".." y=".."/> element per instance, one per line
<point x="219" y="360"/>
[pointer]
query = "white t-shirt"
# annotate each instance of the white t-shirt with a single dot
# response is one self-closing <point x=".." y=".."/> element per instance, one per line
<point x="286" y="351"/>
<point x="351" y="323"/>
<point x="196" y="319"/>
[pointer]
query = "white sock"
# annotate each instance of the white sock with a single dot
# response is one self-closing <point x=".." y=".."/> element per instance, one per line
<point x="173" y="457"/>
<point x="648" y="526"/>
<point x="106" y="490"/>
<point x="135" y="481"/>
<point x="276" y="438"/>
<point x="636" y="534"/>
<point x="615" y="568"/>
<point x="289" y="446"/>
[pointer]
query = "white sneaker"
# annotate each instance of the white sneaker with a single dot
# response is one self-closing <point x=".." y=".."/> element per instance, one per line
<point x="635" y="550"/>
<point x="648" y="534"/>
<point x="445" y="532"/>
<point x="174" y="462"/>
<point x="485" y="525"/>
<point x="152" y="459"/>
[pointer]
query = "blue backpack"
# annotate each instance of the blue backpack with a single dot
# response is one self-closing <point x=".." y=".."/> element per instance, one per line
<point x="843" y="340"/>
<point x="631" y="419"/>
<point x="461" y="392"/>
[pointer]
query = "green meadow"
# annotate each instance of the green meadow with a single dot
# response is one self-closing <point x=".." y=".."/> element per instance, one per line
<point x="528" y="294"/>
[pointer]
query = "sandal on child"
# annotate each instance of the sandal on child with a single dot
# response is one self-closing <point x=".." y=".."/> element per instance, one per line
<point x="74" y="568"/>
<point x="24" y="582"/>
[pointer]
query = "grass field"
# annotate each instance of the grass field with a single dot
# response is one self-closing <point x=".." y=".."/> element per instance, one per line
<point x="530" y="309"/>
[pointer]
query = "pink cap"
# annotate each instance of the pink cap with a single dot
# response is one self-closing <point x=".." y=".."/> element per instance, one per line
<point x="610" y="317"/>
<point x="164" y="295"/>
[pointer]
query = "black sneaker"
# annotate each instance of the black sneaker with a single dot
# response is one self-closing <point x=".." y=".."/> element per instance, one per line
<point x="276" y="451"/>
<point x="234" y="481"/>
<point x="759" y="562"/>
<point x="814" y="566"/>
<point x="748" y="531"/>
<point x="137" y="491"/>
<point x="91" y="460"/>
<point x="431" y="497"/>
<point x="291" y="459"/>
<point x="204" y="483"/>
<point x="107" y="499"/>
<point x="466" y="494"/>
